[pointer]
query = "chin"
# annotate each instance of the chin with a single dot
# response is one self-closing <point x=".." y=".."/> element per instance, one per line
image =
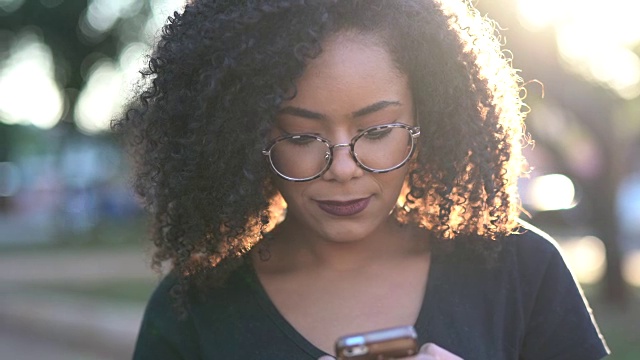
<point x="348" y="234"/>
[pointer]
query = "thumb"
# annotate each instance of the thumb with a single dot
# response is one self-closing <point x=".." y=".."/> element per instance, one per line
<point x="326" y="357"/>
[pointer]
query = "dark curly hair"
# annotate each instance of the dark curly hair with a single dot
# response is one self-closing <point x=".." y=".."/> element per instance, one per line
<point x="222" y="68"/>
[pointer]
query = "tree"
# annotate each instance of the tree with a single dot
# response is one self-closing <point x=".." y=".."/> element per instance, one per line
<point x="79" y="35"/>
<point x="589" y="113"/>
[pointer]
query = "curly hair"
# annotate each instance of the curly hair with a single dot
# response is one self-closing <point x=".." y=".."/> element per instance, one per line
<point x="220" y="71"/>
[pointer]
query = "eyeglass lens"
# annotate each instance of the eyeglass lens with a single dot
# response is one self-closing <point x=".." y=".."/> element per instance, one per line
<point x="306" y="156"/>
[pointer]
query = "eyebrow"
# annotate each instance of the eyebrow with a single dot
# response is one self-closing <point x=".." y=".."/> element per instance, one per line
<point x="300" y="112"/>
<point x="374" y="107"/>
<point x="308" y="114"/>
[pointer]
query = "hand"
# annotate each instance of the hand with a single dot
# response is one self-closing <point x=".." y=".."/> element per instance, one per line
<point x="432" y="351"/>
<point x="428" y="351"/>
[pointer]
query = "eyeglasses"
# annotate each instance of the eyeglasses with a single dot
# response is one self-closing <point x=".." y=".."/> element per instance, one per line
<point x="378" y="149"/>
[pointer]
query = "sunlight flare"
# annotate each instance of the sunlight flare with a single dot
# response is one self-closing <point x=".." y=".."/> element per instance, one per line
<point x="594" y="39"/>
<point x="551" y="192"/>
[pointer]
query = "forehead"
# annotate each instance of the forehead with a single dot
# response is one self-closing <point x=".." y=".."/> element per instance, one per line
<point x="352" y="71"/>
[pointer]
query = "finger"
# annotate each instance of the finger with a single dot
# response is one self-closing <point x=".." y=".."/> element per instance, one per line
<point x="326" y="357"/>
<point x="437" y="352"/>
<point x="422" y="356"/>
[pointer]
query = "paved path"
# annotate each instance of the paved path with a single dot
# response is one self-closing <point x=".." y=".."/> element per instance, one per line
<point x="76" y="265"/>
<point x="16" y="344"/>
<point x="38" y="323"/>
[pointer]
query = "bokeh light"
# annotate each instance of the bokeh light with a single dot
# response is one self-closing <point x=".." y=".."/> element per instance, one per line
<point x="27" y="74"/>
<point x="109" y="83"/>
<point x="9" y="179"/>
<point x="631" y="268"/>
<point x="10" y="5"/>
<point x="132" y="58"/>
<point x="51" y="3"/>
<point x="160" y="11"/>
<point x="628" y="205"/>
<point x="594" y="39"/>
<point x="101" y="15"/>
<point x="586" y="258"/>
<point x="108" y="87"/>
<point x="100" y="99"/>
<point x="29" y="93"/>
<point x="550" y="192"/>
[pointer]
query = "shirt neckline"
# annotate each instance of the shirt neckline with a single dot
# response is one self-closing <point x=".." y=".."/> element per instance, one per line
<point x="305" y="345"/>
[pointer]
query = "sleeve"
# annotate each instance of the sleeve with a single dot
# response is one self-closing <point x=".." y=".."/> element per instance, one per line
<point x="163" y="334"/>
<point x="560" y="325"/>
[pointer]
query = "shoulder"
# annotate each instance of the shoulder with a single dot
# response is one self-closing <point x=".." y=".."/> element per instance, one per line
<point x="527" y="249"/>
<point x="558" y="319"/>
<point x="531" y="247"/>
<point x="175" y="322"/>
<point x="169" y="310"/>
<point x="165" y="333"/>
<point x="529" y="238"/>
<point x="169" y="299"/>
<point x="534" y="261"/>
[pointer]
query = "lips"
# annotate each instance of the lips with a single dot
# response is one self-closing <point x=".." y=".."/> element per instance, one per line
<point x="344" y="208"/>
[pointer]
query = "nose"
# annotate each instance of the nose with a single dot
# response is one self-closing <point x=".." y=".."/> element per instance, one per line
<point x="343" y="166"/>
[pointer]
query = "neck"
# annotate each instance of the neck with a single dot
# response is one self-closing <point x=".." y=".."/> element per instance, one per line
<point x="295" y="249"/>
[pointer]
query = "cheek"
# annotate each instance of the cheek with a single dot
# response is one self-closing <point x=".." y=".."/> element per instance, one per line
<point x="395" y="187"/>
<point x="394" y="180"/>
<point x="290" y="191"/>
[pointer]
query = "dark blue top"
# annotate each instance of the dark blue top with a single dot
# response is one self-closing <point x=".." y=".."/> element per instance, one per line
<point x="525" y="306"/>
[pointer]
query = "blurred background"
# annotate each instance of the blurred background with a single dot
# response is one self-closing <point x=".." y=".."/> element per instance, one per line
<point x="74" y="274"/>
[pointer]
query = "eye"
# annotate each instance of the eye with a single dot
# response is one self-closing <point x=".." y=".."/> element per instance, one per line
<point x="377" y="134"/>
<point x="301" y="140"/>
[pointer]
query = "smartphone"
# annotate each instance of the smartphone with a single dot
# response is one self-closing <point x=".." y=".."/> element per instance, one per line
<point x="381" y="344"/>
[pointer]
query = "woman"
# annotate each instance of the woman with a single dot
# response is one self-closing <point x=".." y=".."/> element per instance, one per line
<point x="321" y="168"/>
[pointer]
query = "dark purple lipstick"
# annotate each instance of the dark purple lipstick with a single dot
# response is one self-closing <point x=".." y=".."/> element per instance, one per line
<point x="344" y="208"/>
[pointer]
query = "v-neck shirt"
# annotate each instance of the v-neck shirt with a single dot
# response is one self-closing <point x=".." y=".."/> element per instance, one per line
<point x="525" y="306"/>
<point x="286" y="327"/>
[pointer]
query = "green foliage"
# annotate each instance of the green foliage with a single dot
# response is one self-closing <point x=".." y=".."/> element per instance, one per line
<point x="620" y="326"/>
